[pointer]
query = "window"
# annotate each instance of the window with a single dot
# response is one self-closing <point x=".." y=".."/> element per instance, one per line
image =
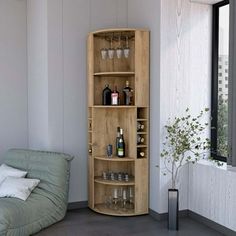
<point x="219" y="104"/>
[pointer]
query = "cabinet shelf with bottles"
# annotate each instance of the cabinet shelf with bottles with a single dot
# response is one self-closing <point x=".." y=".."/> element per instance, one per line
<point x="118" y="59"/>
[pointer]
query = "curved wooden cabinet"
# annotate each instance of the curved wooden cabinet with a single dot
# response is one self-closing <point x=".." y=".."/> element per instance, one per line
<point x="104" y="120"/>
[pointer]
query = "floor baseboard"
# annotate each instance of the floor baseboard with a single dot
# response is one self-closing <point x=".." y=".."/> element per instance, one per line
<point x="212" y="224"/>
<point x="77" y="205"/>
<point x="164" y="216"/>
<point x="201" y="219"/>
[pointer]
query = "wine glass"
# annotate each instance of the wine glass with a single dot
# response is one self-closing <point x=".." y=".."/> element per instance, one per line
<point x="111" y="51"/>
<point x="127" y="49"/>
<point x="103" y="53"/>
<point x="124" y="198"/>
<point x="131" y="198"/>
<point x="119" y="50"/>
<point x="115" y="199"/>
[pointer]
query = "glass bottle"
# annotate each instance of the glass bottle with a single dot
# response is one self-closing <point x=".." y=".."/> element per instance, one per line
<point x="117" y="139"/>
<point x="128" y="94"/>
<point x="106" y="95"/>
<point x="141" y="154"/>
<point x="140" y="126"/>
<point x="115" y="97"/>
<point x="121" y="145"/>
<point x="140" y="139"/>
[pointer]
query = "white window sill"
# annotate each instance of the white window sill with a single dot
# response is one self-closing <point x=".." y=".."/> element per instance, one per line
<point x="224" y="165"/>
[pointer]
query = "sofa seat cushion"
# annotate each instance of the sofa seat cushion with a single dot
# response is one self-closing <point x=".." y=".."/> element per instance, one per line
<point x="19" y="217"/>
<point x="47" y="203"/>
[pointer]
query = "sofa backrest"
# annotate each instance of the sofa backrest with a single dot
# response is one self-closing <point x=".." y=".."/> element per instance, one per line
<point x="53" y="170"/>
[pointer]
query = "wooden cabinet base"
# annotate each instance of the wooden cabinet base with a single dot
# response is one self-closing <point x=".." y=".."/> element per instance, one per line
<point x="102" y="209"/>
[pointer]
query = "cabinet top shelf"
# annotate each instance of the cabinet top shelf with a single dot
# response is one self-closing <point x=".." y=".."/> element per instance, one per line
<point x="103" y="106"/>
<point x="123" y="73"/>
<point x="117" y="30"/>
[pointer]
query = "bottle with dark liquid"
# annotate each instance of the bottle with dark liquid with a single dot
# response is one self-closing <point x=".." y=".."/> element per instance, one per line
<point x="140" y="126"/>
<point x="141" y="154"/>
<point x="121" y="145"/>
<point x="140" y="139"/>
<point x="106" y="95"/>
<point x="115" y="97"/>
<point x="128" y="94"/>
<point x="117" y="139"/>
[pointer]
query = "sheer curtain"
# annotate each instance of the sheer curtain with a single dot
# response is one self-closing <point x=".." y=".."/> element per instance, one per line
<point x="232" y="84"/>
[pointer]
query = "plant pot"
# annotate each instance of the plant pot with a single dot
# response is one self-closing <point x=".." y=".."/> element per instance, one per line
<point x="173" y="209"/>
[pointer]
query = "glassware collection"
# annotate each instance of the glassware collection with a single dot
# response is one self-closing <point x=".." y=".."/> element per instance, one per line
<point x="120" y="198"/>
<point x="120" y="176"/>
<point x="120" y="51"/>
<point x="113" y="97"/>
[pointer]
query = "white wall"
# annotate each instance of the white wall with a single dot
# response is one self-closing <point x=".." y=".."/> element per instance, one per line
<point x="180" y="75"/>
<point x="58" y="86"/>
<point x="212" y="194"/>
<point x="37" y="73"/>
<point x="13" y="75"/>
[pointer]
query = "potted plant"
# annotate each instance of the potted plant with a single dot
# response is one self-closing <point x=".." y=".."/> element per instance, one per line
<point x="185" y="142"/>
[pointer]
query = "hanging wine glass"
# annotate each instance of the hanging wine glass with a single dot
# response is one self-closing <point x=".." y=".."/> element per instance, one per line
<point x="119" y="50"/>
<point x="104" y="52"/>
<point x="127" y="49"/>
<point x="111" y="51"/>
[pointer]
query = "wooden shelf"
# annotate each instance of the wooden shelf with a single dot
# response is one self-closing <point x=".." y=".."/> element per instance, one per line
<point x="141" y="119"/>
<point x="105" y="158"/>
<point x="100" y="180"/>
<point x="115" y="74"/>
<point x="101" y="208"/>
<point x="141" y="146"/>
<point x="141" y="132"/>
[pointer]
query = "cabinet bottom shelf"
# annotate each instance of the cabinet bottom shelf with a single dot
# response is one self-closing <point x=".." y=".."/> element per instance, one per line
<point x="101" y="208"/>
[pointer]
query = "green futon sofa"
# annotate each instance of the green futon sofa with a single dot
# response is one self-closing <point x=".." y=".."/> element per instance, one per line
<point x="47" y="203"/>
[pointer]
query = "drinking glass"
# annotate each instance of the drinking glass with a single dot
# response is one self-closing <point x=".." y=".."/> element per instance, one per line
<point x="119" y="50"/>
<point x="115" y="199"/>
<point x="126" y="49"/>
<point x="103" y="53"/>
<point x="111" y="51"/>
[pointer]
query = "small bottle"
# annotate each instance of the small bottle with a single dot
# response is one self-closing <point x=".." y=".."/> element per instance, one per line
<point x="106" y="95"/>
<point x="115" y="97"/>
<point x="140" y="139"/>
<point x="121" y="145"/>
<point x="141" y="154"/>
<point x="117" y="139"/>
<point x="128" y="94"/>
<point x="140" y="126"/>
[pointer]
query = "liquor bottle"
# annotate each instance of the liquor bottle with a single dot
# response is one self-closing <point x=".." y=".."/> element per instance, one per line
<point x="141" y="154"/>
<point x="117" y="139"/>
<point x="140" y="139"/>
<point x="121" y="145"/>
<point x="115" y="97"/>
<point x="106" y="95"/>
<point x="128" y="94"/>
<point x="140" y="126"/>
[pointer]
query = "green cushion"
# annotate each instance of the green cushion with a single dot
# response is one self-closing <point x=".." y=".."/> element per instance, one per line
<point x="48" y="202"/>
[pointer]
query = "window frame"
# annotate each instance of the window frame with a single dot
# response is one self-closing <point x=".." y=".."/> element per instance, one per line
<point x="214" y="86"/>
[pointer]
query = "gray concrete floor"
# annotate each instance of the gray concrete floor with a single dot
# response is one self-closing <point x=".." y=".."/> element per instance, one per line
<point x="84" y="222"/>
